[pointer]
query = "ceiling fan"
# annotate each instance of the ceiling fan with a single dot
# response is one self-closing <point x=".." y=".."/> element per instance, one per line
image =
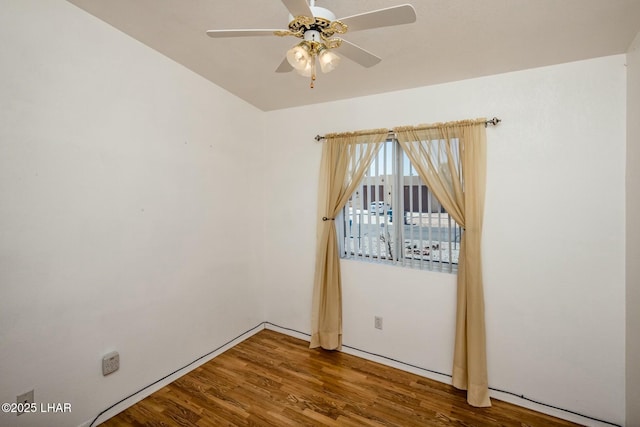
<point x="317" y="27"/>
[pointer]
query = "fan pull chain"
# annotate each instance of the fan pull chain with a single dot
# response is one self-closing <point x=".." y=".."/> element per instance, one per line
<point x="313" y="73"/>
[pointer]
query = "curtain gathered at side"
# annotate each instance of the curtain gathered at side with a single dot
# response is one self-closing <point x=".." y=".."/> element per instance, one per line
<point x="345" y="159"/>
<point x="451" y="160"/>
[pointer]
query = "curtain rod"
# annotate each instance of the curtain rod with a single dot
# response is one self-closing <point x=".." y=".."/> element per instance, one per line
<point x="492" y="122"/>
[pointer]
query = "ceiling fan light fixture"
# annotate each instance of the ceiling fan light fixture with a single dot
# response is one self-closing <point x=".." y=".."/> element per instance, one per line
<point x="307" y="70"/>
<point x="317" y="27"/>
<point x="300" y="56"/>
<point x="328" y="60"/>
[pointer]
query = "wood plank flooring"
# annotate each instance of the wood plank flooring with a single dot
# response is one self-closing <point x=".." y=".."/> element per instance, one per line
<point x="273" y="379"/>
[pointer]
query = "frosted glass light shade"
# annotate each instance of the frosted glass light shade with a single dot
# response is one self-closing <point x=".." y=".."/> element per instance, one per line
<point x="307" y="70"/>
<point x="299" y="57"/>
<point x="328" y="61"/>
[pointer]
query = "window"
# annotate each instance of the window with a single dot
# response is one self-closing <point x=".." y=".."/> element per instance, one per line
<point x="393" y="218"/>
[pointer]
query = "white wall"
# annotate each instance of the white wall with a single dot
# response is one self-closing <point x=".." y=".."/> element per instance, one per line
<point x="126" y="217"/>
<point x="553" y="241"/>
<point x="113" y="166"/>
<point x="633" y="233"/>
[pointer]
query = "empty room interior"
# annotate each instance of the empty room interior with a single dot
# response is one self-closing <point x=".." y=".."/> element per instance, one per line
<point x="161" y="196"/>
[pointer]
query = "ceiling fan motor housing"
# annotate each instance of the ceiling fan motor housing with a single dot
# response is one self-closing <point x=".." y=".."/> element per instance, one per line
<point x="318" y="12"/>
<point x="320" y="26"/>
<point x="312" y="36"/>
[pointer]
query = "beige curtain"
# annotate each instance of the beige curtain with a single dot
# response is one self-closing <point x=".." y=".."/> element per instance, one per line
<point x="451" y="159"/>
<point x="345" y="159"/>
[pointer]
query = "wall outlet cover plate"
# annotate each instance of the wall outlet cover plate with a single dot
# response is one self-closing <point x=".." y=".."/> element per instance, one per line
<point x="110" y="363"/>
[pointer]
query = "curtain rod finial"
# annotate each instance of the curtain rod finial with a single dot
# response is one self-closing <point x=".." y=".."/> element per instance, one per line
<point x="493" y="122"/>
<point x="318" y="138"/>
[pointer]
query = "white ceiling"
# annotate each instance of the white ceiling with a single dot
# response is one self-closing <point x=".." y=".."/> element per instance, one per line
<point x="451" y="40"/>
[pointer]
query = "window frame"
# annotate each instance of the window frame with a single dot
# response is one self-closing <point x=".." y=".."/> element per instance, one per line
<point x="399" y="257"/>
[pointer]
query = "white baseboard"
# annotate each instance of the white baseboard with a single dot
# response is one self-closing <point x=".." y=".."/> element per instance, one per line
<point x="505" y="397"/>
<point x="287" y="331"/>
<point x="137" y="397"/>
<point x="362" y="354"/>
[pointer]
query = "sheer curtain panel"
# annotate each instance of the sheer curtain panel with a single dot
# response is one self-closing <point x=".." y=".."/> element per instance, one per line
<point x="451" y="159"/>
<point x="345" y="159"/>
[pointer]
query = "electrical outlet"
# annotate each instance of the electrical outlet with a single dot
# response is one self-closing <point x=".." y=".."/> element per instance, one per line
<point x="378" y="322"/>
<point x="23" y="400"/>
<point x="110" y="363"/>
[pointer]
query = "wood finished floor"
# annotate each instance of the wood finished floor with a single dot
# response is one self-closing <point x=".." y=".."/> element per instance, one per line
<point x="273" y="379"/>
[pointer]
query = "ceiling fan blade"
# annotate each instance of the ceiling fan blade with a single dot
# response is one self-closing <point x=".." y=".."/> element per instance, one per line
<point x="396" y="15"/>
<point x="240" y="33"/>
<point x="358" y="54"/>
<point x="284" y="67"/>
<point x="297" y="7"/>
